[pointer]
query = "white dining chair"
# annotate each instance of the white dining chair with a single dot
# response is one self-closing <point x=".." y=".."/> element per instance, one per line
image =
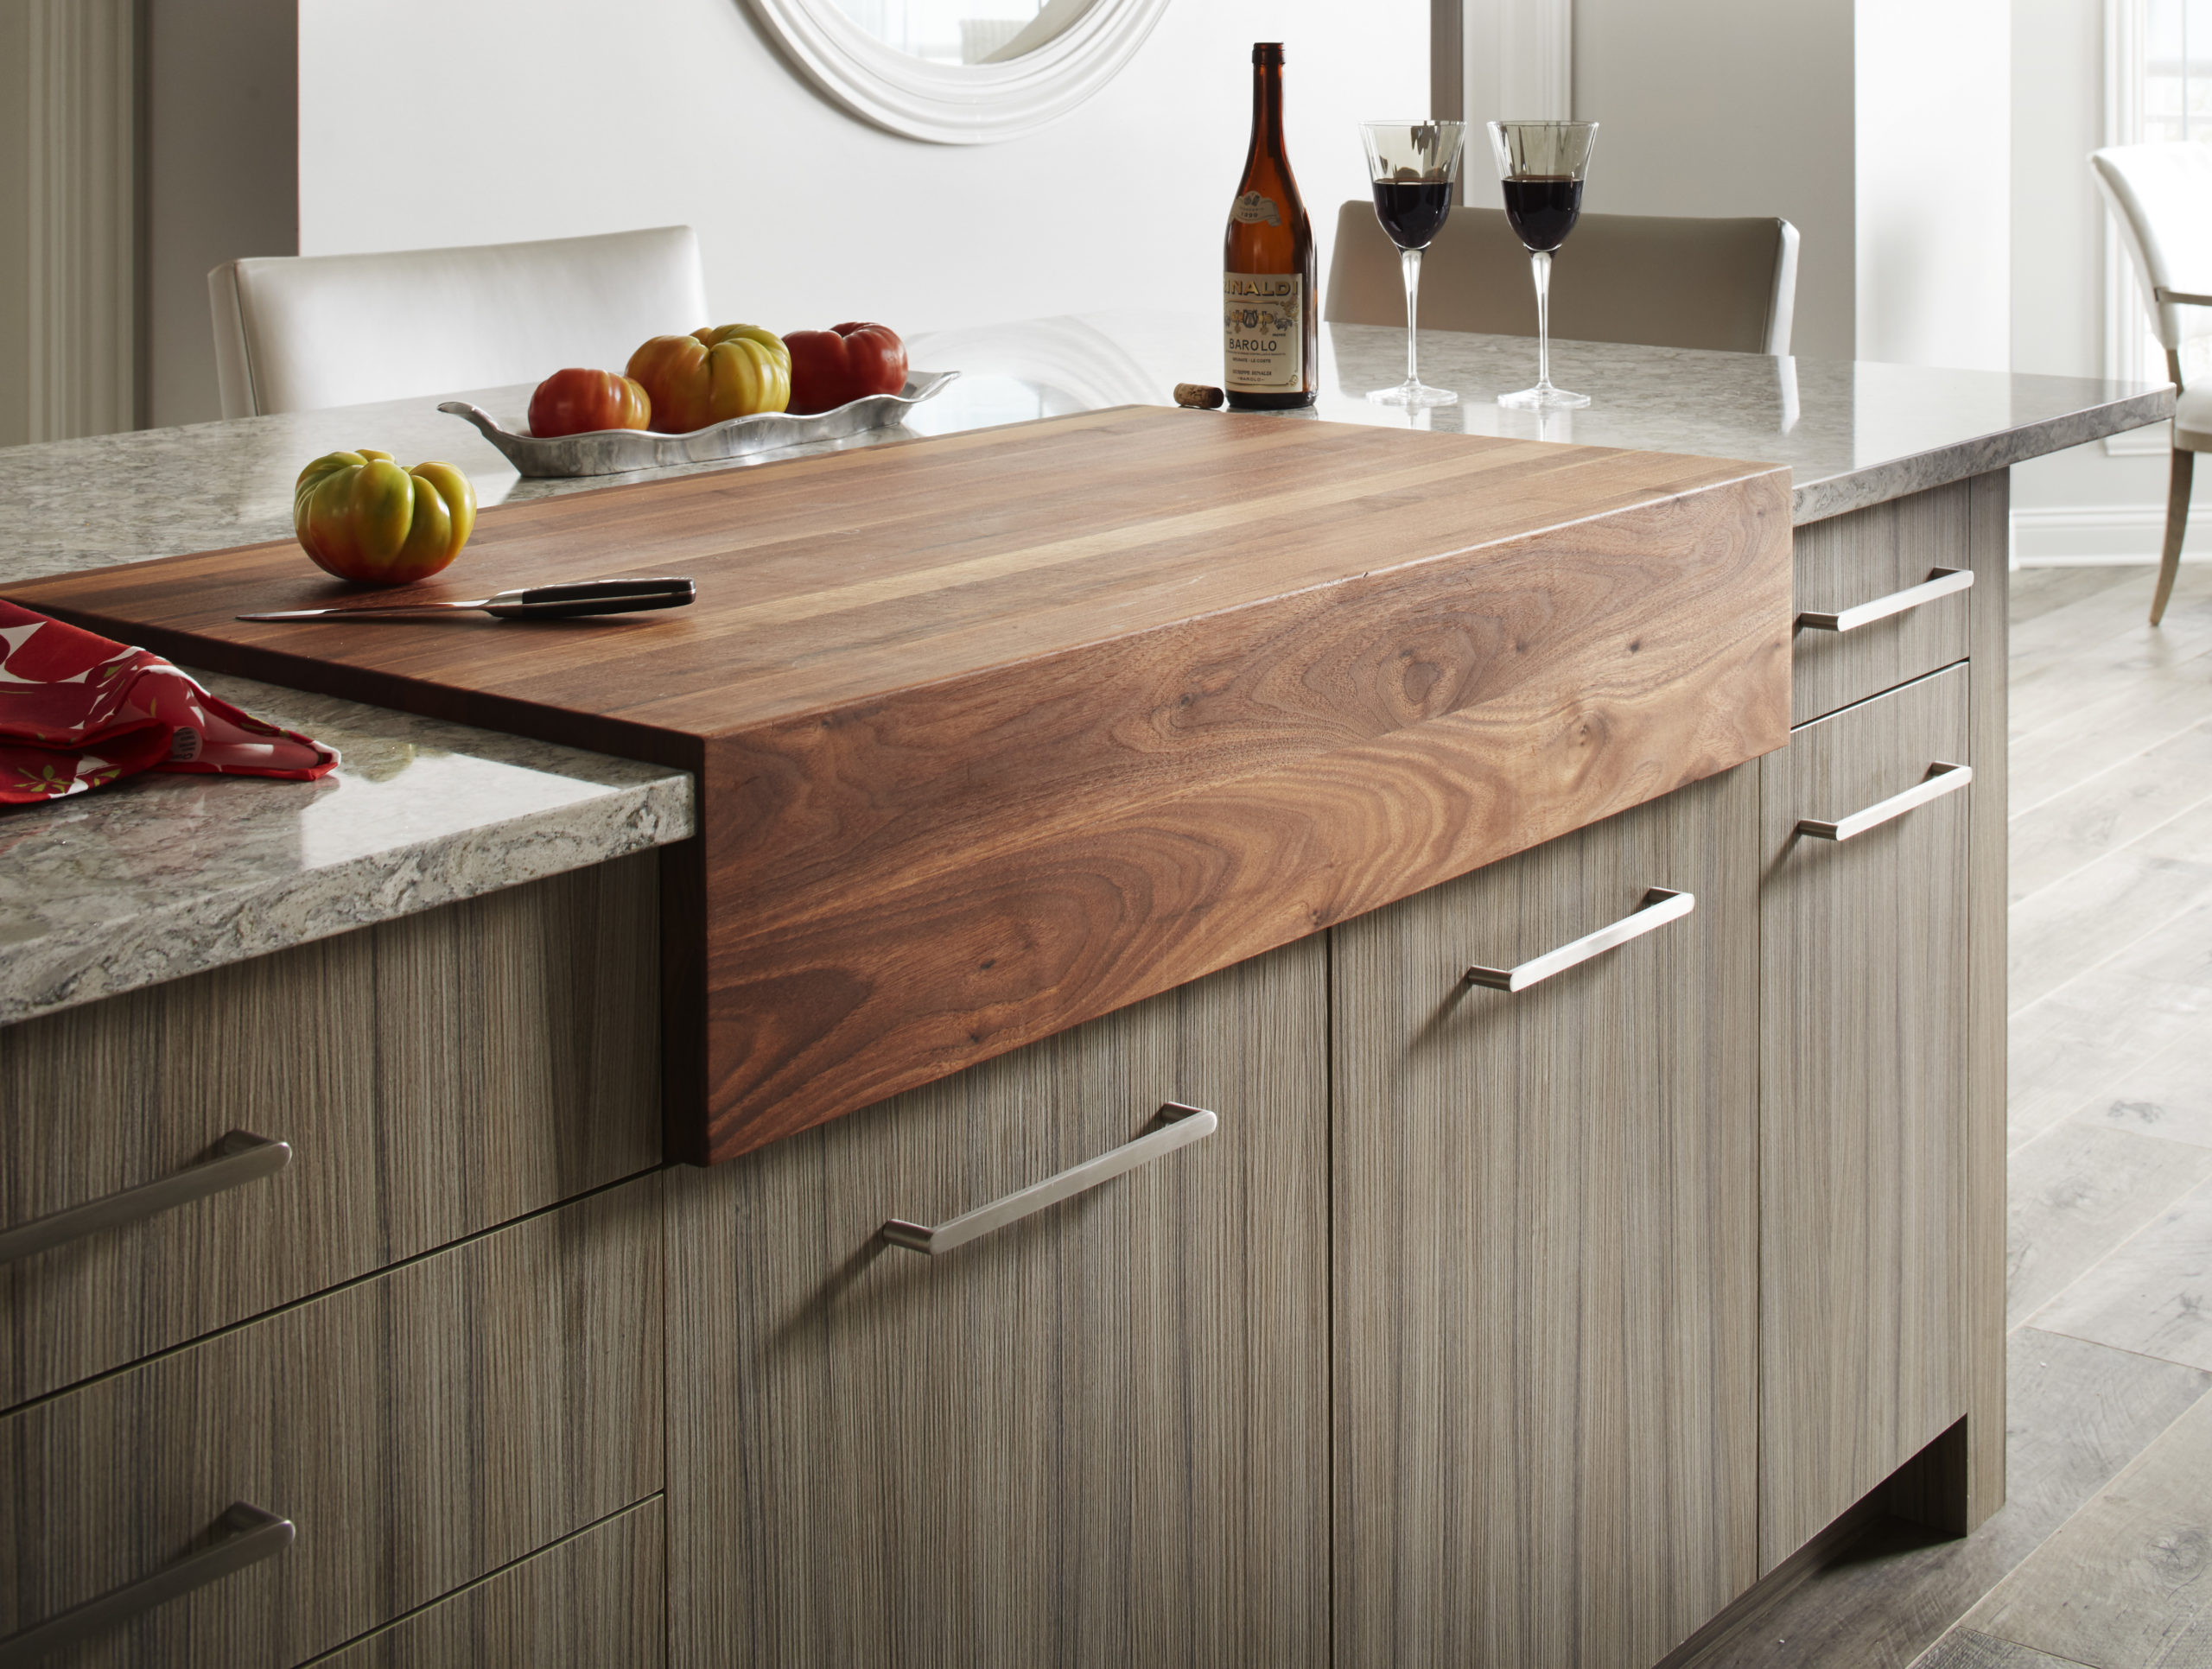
<point x="2161" y="198"/>
<point x="305" y="332"/>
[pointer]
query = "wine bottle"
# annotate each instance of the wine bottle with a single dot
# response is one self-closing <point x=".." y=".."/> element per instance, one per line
<point x="1269" y="334"/>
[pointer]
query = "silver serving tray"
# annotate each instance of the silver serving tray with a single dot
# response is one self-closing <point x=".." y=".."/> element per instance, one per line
<point x="617" y="451"/>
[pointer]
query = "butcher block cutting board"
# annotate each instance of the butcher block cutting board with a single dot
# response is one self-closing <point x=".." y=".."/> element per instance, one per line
<point x="999" y="732"/>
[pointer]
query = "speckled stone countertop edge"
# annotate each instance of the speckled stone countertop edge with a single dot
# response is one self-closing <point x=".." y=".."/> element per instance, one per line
<point x="1877" y="484"/>
<point x="197" y="931"/>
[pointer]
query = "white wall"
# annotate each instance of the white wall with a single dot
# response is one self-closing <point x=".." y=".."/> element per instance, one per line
<point x="1731" y="107"/>
<point x="1934" y="119"/>
<point x="2085" y="504"/>
<point x="222" y="177"/>
<point x="444" y="122"/>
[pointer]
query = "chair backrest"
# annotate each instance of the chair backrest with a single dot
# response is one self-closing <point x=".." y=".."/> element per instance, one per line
<point x="2161" y="198"/>
<point x="1659" y="280"/>
<point x="303" y="332"/>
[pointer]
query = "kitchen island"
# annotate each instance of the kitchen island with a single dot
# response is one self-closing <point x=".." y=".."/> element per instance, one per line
<point x="1500" y="1319"/>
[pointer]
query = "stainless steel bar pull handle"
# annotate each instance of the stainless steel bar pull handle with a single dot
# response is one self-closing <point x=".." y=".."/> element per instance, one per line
<point x="239" y="1158"/>
<point x="254" y="1536"/>
<point x="1660" y="905"/>
<point x="1185" y="1125"/>
<point x="1942" y="780"/>
<point x="1941" y="582"/>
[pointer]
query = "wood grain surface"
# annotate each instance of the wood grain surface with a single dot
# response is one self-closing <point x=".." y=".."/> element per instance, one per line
<point x="2125" y="1582"/>
<point x="596" y="1601"/>
<point x="435" y="1076"/>
<point x="1864" y="1039"/>
<point x="1982" y="1132"/>
<point x="1868" y="554"/>
<point x="420" y="1428"/>
<point x="1001" y="731"/>
<point x="1545" y="1244"/>
<point x="1095" y="1437"/>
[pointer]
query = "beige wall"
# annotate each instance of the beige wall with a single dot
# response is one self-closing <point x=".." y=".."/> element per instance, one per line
<point x="222" y="177"/>
<point x="1731" y="107"/>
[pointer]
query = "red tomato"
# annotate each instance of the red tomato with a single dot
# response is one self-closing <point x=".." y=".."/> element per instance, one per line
<point x="833" y="367"/>
<point x="575" y="401"/>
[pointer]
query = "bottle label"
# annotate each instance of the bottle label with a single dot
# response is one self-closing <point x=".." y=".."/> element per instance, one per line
<point x="1254" y="210"/>
<point x="1264" y="332"/>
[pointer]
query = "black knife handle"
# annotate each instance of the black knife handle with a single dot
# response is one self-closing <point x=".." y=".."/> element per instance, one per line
<point x="587" y="596"/>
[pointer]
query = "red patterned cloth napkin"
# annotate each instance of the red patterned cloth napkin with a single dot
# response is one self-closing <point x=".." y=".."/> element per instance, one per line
<point x="78" y="711"/>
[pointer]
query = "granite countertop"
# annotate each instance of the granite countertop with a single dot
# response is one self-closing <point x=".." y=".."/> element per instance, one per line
<point x="163" y="876"/>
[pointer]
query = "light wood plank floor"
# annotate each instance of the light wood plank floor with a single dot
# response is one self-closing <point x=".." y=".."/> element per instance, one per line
<point x="2102" y="1555"/>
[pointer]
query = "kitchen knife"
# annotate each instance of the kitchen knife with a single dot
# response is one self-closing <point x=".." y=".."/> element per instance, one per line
<point x="566" y="602"/>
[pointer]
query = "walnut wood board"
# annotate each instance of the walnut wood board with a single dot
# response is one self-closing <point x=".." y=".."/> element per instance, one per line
<point x="1865" y="1043"/>
<point x="1545" y="1243"/>
<point x="1000" y="732"/>
<point x="433" y="1075"/>
<point x="1095" y="1437"/>
<point x="420" y="1428"/>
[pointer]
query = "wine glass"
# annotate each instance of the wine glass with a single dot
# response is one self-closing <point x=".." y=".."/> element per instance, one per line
<point x="1542" y="165"/>
<point x="1414" y="166"/>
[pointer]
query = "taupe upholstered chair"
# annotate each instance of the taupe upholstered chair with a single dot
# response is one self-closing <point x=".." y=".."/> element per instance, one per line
<point x="2161" y="196"/>
<point x="1659" y="280"/>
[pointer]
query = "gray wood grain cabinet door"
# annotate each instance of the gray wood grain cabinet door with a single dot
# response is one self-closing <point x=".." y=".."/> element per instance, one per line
<point x="433" y="1076"/>
<point x="1886" y="552"/>
<point x="420" y="1428"/>
<point x="1545" y="1294"/>
<point x="596" y="1601"/>
<point x="1094" y="1437"/>
<point x="1863" y="952"/>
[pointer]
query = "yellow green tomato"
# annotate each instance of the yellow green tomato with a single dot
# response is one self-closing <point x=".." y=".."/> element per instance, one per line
<point x="364" y="519"/>
<point x="714" y="374"/>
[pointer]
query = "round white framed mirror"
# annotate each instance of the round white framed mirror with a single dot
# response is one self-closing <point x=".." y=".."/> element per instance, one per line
<point x="959" y="72"/>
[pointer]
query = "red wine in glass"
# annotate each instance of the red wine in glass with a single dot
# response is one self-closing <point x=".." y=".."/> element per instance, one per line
<point x="1542" y="209"/>
<point x="1541" y="167"/>
<point x="1413" y="211"/>
<point x="1411" y="166"/>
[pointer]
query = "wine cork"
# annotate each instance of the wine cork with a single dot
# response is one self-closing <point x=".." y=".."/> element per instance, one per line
<point x="1202" y="397"/>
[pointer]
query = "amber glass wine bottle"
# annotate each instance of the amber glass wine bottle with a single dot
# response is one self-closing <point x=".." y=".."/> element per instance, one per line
<point x="1267" y="303"/>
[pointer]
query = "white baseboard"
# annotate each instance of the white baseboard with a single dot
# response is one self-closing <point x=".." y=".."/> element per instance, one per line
<point x="2095" y="535"/>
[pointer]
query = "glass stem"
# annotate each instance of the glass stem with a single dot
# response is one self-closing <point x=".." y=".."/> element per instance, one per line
<point x="1410" y="260"/>
<point x="1541" y="262"/>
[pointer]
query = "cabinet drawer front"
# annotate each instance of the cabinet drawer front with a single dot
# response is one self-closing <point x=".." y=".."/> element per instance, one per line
<point x="419" y="1428"/>
<point x="1864" y="962"/>
<point x="1544" y="1243"/>
<point x="593" y="1602"/>
<point x="1885" y="554"/>
<point x="1093" y="1435"/>
<point x="432" y="1076"/>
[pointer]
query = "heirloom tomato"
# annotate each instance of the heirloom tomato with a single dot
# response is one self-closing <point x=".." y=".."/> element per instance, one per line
<point x="720" y="372"/>
<point x="574" y="402"/>
<point x="364" y="519"/>
<point x="833" y="367"/>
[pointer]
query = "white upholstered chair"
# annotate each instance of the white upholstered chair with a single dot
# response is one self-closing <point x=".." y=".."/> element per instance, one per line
<point x="303" y="332"/>
<point x="2161" y="196"/>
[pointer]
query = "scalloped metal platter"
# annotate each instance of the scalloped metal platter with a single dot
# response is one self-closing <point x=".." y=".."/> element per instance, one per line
<point x="617" y="451"/>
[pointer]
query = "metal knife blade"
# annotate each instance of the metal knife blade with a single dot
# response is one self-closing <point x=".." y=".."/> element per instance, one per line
<point x="554" y="602"/>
